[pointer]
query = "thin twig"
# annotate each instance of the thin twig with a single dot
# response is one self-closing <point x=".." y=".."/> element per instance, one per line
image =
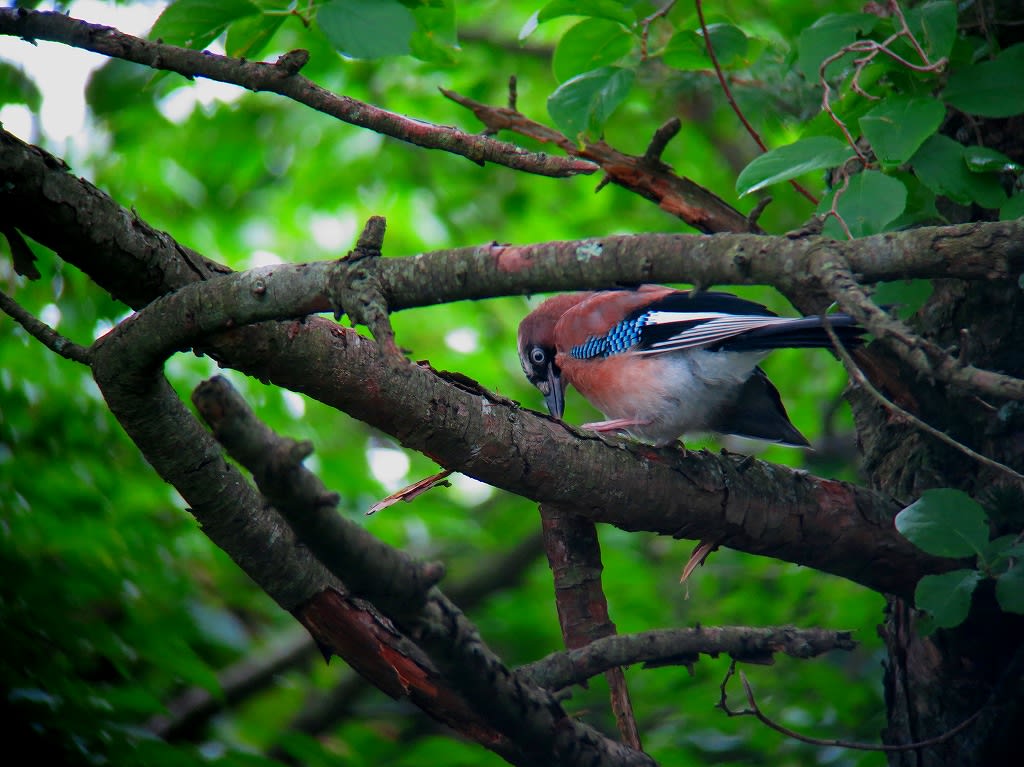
<point x="756" y="712"/>
<point x="285" y="81"/>
<point x="732" y="102"/>
<point x="43" y="333"/>
<point x="833" y="208"/>
<point x="858" y="375"/>
<point x="645" y="26"/>
<point x="871" y="49"/>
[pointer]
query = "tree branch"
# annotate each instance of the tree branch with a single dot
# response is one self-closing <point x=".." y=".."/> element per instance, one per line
<point x="682" y="647"/>
<point x="925" y="357"/>
<point x="469" y="688"/>
<point x="136" y="262"/>
<point x="574" y="555"/>
<point x="744" y="504"/>
<point x="42" y="332"/>
<point x="650" y="178"/>
<point x="281" y="78"/>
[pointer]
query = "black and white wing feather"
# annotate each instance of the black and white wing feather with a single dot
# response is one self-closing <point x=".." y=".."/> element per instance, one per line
<point x="723" y="322"/>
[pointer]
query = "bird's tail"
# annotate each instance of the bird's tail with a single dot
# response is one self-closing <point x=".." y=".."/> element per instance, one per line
<point x="800" y="333"/>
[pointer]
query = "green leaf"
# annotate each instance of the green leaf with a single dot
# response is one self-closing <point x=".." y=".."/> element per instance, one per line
<point x="1000" y="551"/>
<point x="117" y="86"/>
<point x="906" y="296"/>
<point x="598" y="9"/>
<point x="183" y="662"/>
<point x="197" y="23"/>
<point x="368" y="29"/>
<point x="982" y="159"/>
<point x="946" y="523"/>
<point x="18" y="88"/>
<point x="1010" y="589"/>
<point x="729" y="42"/>
<point x="920" y="207"/>
<point x="249" y="36"/>
<point x="585" y="102"/>
<point x="897" y="127"/>
<point x="435" y="38"/>
<point x="793" y="160"/>
<point x="590" y="45"/>
<point x="826" y="37"/>
<point x="941" y="165"/>
<point x="947" y="597"/>
<point x="1014" y="208"/>
<point x="992" y="88"/>
<point x="686" y="50"/>
<point x="934" y="26"/>
<point x="869" y="203"/>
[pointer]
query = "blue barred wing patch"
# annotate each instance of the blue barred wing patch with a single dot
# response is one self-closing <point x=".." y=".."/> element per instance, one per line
<point x="622" y="337"/>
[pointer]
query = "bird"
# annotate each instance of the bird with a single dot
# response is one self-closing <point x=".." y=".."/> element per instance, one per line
<point x="662" y="363"/>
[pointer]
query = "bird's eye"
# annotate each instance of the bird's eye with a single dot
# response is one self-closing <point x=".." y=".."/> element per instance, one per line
<point x="537" y="356"/>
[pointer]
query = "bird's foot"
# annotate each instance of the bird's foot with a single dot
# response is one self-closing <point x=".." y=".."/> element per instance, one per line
<point x="616" y="424"/>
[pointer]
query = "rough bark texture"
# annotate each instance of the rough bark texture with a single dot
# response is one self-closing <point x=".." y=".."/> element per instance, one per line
<point x="935" y="682"/>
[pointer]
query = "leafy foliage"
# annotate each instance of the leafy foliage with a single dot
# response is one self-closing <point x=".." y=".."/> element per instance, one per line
<point x="112" y="602"/>
<point x="949" y="523"/>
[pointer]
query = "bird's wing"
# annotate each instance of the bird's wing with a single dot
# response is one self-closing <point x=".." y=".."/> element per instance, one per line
<point x="674" y="331"/>
<point x="665" y="331"/>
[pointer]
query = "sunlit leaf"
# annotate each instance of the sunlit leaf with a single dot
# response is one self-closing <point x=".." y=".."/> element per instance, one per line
<point x="791" y="161"/>
<point x="590" y="45"/>
<point x="598" y="9"/>
<point x="197" y="23"/>
<point x="249" y="36"/>
<point x="584" y="103"/>
<point x="435" y="38"/>
<point x="18" y="88"/>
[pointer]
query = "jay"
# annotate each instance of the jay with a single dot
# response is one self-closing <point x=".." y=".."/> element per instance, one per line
<point x="660" y="363"/>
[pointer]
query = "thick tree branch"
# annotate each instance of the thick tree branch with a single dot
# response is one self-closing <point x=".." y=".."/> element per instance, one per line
<point x="682" y="647"/>
<point x="281" y="78"/>
<point x="136" y="263"/>
<point x="745" y="505"/>
<point x="574" y="555"/>
<point x="470" y="689"/>
<point x="742" y="503"/>
<point x="925" y="357"/>
<point x="646" y="175"/>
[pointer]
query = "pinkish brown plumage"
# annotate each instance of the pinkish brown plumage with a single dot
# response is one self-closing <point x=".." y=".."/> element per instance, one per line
<point x="661" y="363"/>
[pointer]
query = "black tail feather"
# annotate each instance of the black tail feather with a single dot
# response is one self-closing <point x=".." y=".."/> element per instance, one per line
<point x="758" y="413"/>
<point x="807" y="333"/>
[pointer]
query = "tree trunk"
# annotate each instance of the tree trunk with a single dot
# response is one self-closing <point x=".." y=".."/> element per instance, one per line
<point x="934" y="683"/>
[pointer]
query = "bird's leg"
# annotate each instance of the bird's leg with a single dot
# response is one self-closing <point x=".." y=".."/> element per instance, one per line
<point x="616" y="424"/>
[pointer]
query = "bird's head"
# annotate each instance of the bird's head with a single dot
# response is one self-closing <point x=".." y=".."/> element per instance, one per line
<point x="538" y="349"/>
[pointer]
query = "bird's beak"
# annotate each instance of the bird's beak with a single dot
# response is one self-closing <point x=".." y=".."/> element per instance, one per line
<point x="553" y="391"/>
